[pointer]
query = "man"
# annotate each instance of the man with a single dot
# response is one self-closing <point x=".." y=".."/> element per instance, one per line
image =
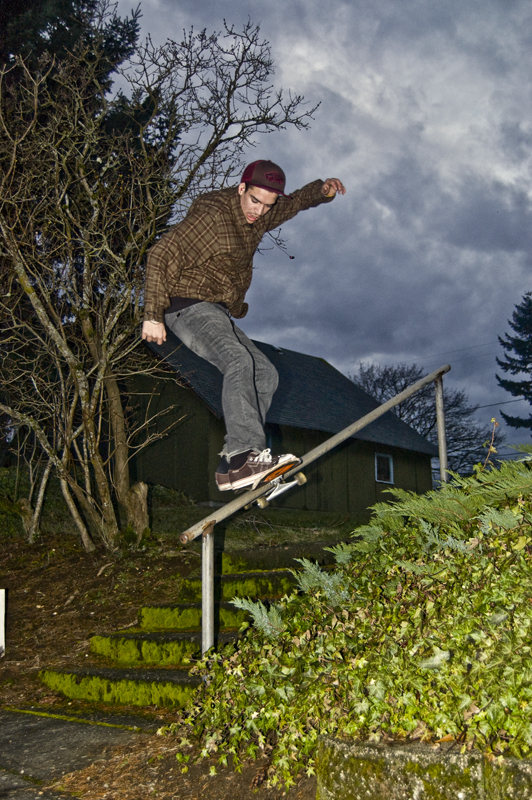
<point x="197" y="277"/>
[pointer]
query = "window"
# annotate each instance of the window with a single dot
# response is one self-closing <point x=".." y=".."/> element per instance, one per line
<point x="383" y="468"/>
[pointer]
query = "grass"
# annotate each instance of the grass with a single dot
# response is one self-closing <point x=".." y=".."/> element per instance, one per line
<point x="172" y="512"/>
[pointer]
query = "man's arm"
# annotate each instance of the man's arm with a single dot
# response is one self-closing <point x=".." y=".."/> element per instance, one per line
<point x="310" y="196"/>
<point x="156" y="297"/>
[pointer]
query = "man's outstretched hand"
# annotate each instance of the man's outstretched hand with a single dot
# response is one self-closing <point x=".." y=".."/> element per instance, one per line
<point x="154" y="331"/>
<point x="332" y="186"/>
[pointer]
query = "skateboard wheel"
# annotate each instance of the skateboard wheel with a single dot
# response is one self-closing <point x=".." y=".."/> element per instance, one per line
<point x="301" y="478"/>
<point x="263" y="502"/>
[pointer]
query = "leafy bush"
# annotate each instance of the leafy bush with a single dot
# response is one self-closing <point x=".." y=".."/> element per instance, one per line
<point x="423" y="631"/>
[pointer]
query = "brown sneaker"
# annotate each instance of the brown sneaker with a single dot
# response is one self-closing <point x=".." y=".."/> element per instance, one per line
<point x="222" y="475"/>
<point x="260" y="467"/>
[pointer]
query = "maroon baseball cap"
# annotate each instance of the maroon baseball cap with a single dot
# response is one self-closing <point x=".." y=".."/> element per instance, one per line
<point x="265" y="175"/>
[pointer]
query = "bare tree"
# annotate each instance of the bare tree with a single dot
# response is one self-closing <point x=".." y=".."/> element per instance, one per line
<point x="466" y="439"/>
<point x="88" y="182"/>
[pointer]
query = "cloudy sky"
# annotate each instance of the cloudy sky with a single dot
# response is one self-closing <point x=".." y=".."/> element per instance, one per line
<point x="426" y="116"/>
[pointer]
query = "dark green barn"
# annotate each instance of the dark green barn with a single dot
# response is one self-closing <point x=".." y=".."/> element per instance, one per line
<point x="313" y="401"/>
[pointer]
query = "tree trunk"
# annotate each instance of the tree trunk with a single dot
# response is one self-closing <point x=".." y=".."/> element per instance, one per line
<point x="33" y="526"/>
<point x="136" y="507"/>
<point x="86" y="540"/>
<point x="133" y="499"/>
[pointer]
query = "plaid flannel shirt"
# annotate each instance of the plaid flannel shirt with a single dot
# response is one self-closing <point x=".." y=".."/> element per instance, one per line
<point x="209" y="254"/>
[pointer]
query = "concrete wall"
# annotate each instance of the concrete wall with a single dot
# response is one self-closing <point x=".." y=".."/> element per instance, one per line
<point x="412" y="771"/>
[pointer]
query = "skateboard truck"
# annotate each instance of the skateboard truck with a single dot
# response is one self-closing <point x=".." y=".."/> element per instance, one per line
<point x="278" y="486"/>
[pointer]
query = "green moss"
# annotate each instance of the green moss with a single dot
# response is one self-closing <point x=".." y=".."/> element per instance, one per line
<point x="509" y="778"/>
<point x="68" y="718"/>
<point x="139" y="650"/>
<point x="96" y="689"/>
<point x="187" y="617"/>
<point x="364" y="770"/>
<point x="356" y="771"/>
<point x="170" y="617"/>
<point x="232" y="564"/>
<point x="256" y="585"/>
<point x="232" y="617"/>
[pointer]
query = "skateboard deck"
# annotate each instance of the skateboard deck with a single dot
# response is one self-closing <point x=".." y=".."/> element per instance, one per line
<point x="278" y="473"/>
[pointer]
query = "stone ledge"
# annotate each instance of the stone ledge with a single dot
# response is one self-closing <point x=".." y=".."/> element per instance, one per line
<point x="347" y="771"/>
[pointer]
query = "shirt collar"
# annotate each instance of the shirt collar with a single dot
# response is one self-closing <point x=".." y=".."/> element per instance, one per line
<point x="237" y="210"/>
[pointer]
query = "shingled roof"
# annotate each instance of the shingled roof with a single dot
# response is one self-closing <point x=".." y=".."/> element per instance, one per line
<point x="312" y="394"/>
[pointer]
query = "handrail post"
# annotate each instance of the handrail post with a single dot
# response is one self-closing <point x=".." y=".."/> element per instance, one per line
<point x="440" y="422"/>
<point x="207" y="589"/>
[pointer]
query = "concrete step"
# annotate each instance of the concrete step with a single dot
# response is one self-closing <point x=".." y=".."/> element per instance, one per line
<point x="168" y="688"/>
<point x="187" y="616"/>
<point x="170" y="632"/>
<point x="164" y="649"/>
<point x="272" y="584"/>
<point x="269" y="558"/>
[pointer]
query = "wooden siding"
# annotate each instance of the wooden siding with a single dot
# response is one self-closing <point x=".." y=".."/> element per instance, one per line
<point x="342" y="481"/>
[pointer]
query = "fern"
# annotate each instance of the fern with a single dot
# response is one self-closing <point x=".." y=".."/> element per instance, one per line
<point x="435" y="621"/>
<point x="343" y="552"/>
<point x="367" y="538"/>
<point x="312" y="577"/>
<point x="523" y="448"/>
<point x="370" y="533"/>
<point x="492" y="517"/>
<point x="267" y="620"/>
<point x="456" y="503"/>
<point x="434" y="540"/>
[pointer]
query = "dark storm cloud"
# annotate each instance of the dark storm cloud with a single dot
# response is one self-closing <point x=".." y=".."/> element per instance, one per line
<point x="489" y="217"/>
<point x="515" y="140"/>
<point x="426" y="114"/>
<point x="480" y="214"/>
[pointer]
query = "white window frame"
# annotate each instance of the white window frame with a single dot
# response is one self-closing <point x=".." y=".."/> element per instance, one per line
<point x="390" y="461"/>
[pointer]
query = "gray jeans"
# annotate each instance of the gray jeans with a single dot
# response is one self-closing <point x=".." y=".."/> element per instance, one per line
<point x="250" y="380"/>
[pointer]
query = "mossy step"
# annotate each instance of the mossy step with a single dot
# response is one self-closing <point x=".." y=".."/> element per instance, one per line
<point x="187" y="616"/>
<point x="271" y="584"/>
<point x="126" y="687"/>
<point x="160" y="648"/>
<point x="270" y="558"/>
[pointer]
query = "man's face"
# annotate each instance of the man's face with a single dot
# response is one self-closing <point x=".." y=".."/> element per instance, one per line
<point x="255" y="202"/>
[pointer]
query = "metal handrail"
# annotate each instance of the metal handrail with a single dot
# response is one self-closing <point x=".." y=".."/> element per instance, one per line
<point x="205" y="527"/>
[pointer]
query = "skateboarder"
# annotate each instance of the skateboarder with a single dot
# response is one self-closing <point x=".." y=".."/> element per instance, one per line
<point x="196" y="280"/>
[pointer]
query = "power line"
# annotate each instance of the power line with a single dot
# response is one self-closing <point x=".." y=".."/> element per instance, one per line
<point x="464" y="358"/>
<point x="504" y="403"/>
<point x="460" y="350"/>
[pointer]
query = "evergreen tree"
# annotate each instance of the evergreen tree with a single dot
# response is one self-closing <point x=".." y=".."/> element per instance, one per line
<point x="31" y="29"/>
<point x="521" y="362"/>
